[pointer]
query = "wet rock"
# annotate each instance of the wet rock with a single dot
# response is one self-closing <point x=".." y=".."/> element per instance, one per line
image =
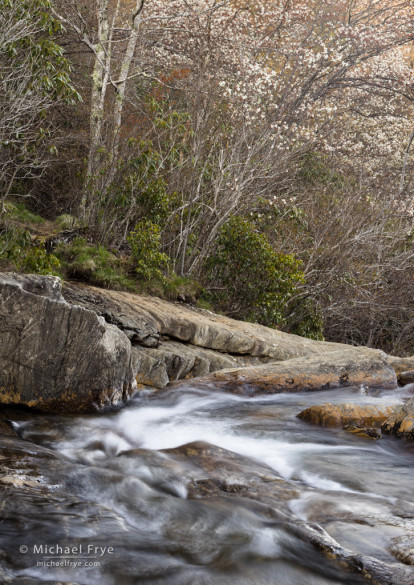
<point x="372" y="570"/>
<point x="402" y="547"/>
<point x="228" y="475"/>
<point x="406" y="378"/>
<point x="214" y="487"/>
<point x="6" y="428"/>
<point x="349" y="367"/>
<point x="56" y="356"/>
<point x="37" y="507"/>
<point x="227" y="472"/>
<point x="401" y="422"/>
<point x="364" y="432"/>
<point x="346" y="415"/>
<point x="364" y="420"/>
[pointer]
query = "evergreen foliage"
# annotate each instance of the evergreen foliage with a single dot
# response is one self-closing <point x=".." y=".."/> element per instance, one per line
<point x="248" y="278"/>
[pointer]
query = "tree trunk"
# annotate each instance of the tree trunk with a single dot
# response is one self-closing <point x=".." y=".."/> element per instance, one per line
<point x="100" y="76"/>
<point x="121" y="84"/>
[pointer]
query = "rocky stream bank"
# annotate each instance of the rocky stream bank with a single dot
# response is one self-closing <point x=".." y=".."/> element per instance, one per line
<point x="77" y="349"/>
<point x="211" y="473"/>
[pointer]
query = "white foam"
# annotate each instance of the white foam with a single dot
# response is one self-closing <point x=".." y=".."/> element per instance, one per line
<point x="265" y="542"/>
<point x="158" y="428"/>
<point x="323" y="483"/>
<point x="192" y="417"/>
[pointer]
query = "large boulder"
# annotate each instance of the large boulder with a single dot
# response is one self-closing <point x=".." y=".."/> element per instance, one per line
<point x="57" y="356"/>
<point x="172" y="341"/>
<point x="352" y="366"/>
<point x="74" y="351"/>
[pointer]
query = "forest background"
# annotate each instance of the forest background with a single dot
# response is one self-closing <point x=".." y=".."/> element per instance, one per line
<point x="253" y="157"/>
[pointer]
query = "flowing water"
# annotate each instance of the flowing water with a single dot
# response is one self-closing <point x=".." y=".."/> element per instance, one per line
<point x="193" y="486"/>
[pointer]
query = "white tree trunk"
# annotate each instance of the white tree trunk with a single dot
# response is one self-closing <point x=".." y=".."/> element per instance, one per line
<point x="100" y="76"/>
<point x="121" y="83"/>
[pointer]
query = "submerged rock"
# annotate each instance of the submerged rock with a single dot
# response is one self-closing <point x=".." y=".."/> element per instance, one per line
<point x="57" y="356"/>
<point x="402" y="547"/>
<point x="347" y="367"/>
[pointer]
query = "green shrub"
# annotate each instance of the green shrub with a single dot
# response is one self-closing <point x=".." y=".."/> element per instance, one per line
<point x="19" y="212"/>
<point x="306" y="319"/>
<point x="25" y="254"/>
<point x="137" y="192"/>
<point x="140" y="185"/>
<point x="67" y="222"/>
<point x="36" y="259"/>
<point x="180" y="288"/>
<point x="247" y="279"/>
<point x="145" y="242"/>
<point x="93" y="263"/>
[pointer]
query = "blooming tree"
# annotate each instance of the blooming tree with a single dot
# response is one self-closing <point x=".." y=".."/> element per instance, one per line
<point x="259" y="84"/>
<point x="267" y="81"/>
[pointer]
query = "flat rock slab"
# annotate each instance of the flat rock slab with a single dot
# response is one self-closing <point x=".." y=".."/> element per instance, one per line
<point x="349" y="367"/>
<point x="397" y="420"/>
<point x="56" y="356"/>
<point x="342" y="415"/>
<point x="147" y="319"/>
<point x="400" y="365"/>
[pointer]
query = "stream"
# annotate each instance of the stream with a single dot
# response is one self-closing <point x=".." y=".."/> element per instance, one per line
<point x="193" y="486"/>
